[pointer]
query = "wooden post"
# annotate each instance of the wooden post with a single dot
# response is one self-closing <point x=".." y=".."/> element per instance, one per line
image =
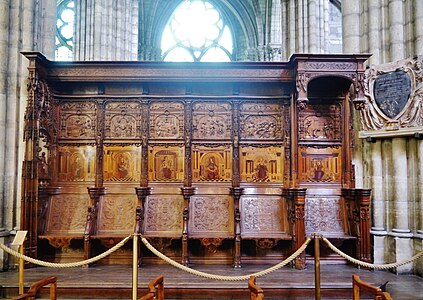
<point x="317" y="266"/>
<point x="135" y="266"/>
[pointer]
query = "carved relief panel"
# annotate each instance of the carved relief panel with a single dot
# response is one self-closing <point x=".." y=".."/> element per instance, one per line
<point x="76" y="164"/>
<point x="166" y="120"/>
<point x="263" y="215"/>
<point x="320" y="165"/>
<point x="212" y="121"/>
<point x="122" y="163"/>
<point x="211" y="215"/>
<point x="67" y="214"/>
<point x="166" y="164"/>
<point x="261" y="121"/>
<point x="117" y="214"/>
<point x="322" y="122"/>
<point x="77" y="120"/>
<point x="122" y="120"/>
<point x="163" y="215"/>
<point x="212" y="164"/>
<point x="262" y="164"/>
<point x="325" y="215"/>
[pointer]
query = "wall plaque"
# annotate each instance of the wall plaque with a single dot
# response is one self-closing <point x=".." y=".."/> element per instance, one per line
<point x="391" y="92"/>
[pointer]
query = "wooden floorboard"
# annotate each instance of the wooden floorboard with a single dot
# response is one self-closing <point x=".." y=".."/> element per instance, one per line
<point x="115" y="281"/>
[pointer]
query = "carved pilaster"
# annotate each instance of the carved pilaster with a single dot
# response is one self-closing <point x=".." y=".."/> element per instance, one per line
<point x="187" y="192"/>
<point x="142" y="193"/>
<point x="188" y="139"/>
<point x="90" y="228"/>
<point x="144" y="149"/>
<point x="237" y="192"/>
<point x="301" y="85"/>
<point x="235" y="139"/>
<point x="100" y="145"/>
<point x="297" y="198"/>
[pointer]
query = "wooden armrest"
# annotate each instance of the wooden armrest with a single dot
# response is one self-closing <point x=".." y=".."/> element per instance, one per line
<point x="377" y="292"/>
<point x="35" y="288"/>
<point x="384" y="296"/>
<point x="155" y="289"/>
<point x="256" y="293"/>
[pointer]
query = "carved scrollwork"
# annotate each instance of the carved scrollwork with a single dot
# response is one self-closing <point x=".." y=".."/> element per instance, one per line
<point x="211" y="244"/>
<point x="266" y="243"/>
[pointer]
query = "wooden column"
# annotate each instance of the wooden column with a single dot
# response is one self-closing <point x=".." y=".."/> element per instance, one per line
<point x="237" y="192"/>
<point x="187" y="192"/>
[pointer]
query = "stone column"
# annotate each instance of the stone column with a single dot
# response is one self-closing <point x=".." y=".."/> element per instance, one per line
<point x="418" y="27"/>
<point x="402" y="243"/>
<point x="105" y="30"/>
<point x="378" y="229"/>
<point x="374" y="31"/>
<point x="351" y="26"/>
<point x="396" y="32"/>
<point x="313" y="26"/>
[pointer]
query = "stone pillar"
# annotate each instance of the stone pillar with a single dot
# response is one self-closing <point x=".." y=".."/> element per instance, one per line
<point x="351" y="26"/>
<point x="378" y="230"/>
<point x="419" y="208"/>
<point x="402" y="247"/>
<point x="374" y="31"/>
<point x="396" y="32"/>
<point x="418" y="27"/>
<point x="313" y="29"/>
<point x="106" y="30"/>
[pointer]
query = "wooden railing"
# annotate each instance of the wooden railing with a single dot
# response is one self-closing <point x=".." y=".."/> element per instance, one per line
<point x="376" y="292"/>
<point x="155" y="289"/>
<point x="36" y="287"/>
<point x="256" y="293"/>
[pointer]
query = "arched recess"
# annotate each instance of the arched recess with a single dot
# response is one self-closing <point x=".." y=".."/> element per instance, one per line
<point x="328" y="87"/>
<point x="238" y="14"/>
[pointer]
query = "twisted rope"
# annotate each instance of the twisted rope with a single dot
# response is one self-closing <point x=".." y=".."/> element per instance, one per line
<point x="65" y="265"/>
<point x="224" y="277"/>
<point x="369" y="265"/>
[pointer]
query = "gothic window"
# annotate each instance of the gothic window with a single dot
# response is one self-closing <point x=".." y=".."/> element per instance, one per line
<point x="196" y="32"/>
<point x="335" y="27"/>
<point x="64" y="29"/>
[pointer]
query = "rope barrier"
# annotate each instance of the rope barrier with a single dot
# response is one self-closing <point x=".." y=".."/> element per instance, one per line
<point x="369" y="265"/>
<point x="65" y="265"/>
<point x="224" y="277"/>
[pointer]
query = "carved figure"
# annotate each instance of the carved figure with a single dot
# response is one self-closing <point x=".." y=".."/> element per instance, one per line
<point x="166" y="168"/>
<point x="318" y="171"/>
<point x="122" y="167"/>
<point x="261" y="170"/>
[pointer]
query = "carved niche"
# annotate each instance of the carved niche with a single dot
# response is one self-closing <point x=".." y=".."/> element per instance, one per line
<point x="78" y="120"/>
<point x="394" y="95"/>
<point x="320" y="165"/>
<point x="212" y="121"/>
<point x="76" y="163"/>
<point x="166" y="120"/>
<point x="122" y="120"/>
<point x="211" y="164"/>
<point x="166" y="163"/>
<point x="262" y="164"/>
<point x="122" y="163"/>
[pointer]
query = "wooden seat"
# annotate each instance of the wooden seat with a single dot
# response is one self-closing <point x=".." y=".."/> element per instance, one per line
<point x="155" y="289"/>
<point x="36" y="287"/>
<point x="376" y="292"/>
<point x="256" y="293"/>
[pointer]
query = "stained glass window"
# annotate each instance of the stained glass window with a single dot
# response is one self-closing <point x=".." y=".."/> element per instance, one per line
<point x="196" y="32"/>
<point x="64" y="29"/>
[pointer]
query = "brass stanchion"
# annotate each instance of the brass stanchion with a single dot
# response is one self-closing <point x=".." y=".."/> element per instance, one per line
<point x="21" y="271"/>
<point x="135" y="267"/>
<point x="317" y="266"/>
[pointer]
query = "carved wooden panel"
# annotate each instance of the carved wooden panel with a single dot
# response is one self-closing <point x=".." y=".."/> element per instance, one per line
<point x="212" y="164"/>
<point x="122" y="163"/>
<point x="212" y="121"/>
<point x="78" y="120"/>
<point x="211" y="216"/>
<point x="163" y="215"/>
<point x="263" y="216"/>
<point x="261" y="121"/>
<point x="67" y="214"/>
<point x="122" y="120"/>
<point x="166" y="120"/>
<point x="322" y="122"/>
<point x="320" y="165"/>
<point x="166" y="163"/>
<point x="262" y="164"/>
<point x="116" y="214"/>
<point x="325" y="215"/>
<point x="76" y="163"/>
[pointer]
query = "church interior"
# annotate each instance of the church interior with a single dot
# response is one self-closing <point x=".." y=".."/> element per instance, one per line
<point x="173" y="140"/>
